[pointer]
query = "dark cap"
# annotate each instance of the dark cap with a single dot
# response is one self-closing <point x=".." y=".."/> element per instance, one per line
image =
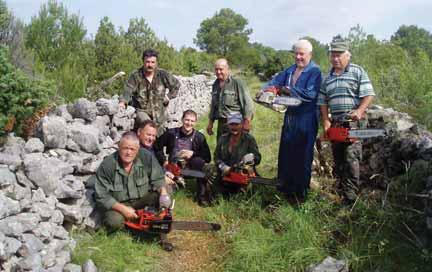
<point x="234" y="118"/>
<point x="339" y="46"/>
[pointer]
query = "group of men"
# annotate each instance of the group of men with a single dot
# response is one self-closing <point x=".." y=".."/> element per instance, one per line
<point x="133" y="177"/>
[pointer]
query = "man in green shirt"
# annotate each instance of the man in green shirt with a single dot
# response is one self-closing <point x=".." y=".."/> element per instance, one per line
<point x="130" y="179"/>
<point x="229" y="94"/>
<point x="234" y="147"/>
<point x="146" y="91"/>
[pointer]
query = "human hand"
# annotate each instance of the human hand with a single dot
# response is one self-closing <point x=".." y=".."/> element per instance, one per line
<point x="185" y="154"/>
<point x="164" y="201"/>
<point x="225" y="169"/>
<point x="129" y="212"/>
<point x="357" y="114"/>
<point x="169" y="178"/>
<point x="249" y="159"/>
<point x="246" y="125"/>
<point x="210" y="128"/>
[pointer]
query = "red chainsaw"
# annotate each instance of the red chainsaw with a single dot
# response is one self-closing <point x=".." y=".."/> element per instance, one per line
<point x="244" y="174"/>
<point x="155" y="221"/>
<point x="341" y="131"/>
<point x="180" y="172"/>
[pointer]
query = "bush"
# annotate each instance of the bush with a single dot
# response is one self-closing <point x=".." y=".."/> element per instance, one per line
<point x="20" y="97"/>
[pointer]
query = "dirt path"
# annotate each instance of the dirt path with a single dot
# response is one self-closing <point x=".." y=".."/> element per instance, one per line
<point x="194" y="251"/>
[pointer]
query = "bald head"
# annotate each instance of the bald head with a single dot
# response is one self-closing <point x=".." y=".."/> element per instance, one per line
<point x="221" y="69"/>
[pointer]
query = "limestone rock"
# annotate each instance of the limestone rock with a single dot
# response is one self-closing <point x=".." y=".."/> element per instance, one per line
<point x="86" y="137"/>
<point x="8" y="206"/>
<point x="7" y="178"/>
<point x="34" y="145"/>
<point x="107" y="106"/>
<point x="83" y="109"/>
<point x="69" y="187"/>
<point x="53" y="132"/>
<point x="45" y="172"/>
<point x="89" y="266"/>
<point x="329" y="265"/>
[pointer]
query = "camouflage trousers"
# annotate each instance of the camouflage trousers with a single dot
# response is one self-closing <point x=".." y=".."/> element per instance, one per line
<point x="141" y="116"/>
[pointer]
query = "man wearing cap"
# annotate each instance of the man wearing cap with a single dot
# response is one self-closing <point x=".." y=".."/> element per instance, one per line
<point x="346" y="90"/>
<point x="234" y="147"/>
<point x="229" y="94"/>
<point x="146" y="91"/>
<point x="302" y="80"/>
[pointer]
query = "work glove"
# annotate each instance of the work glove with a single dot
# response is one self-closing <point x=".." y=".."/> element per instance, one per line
<point x="164" y="201"/>
<point x="249" y="159"/>
<point x="224" y="168"/>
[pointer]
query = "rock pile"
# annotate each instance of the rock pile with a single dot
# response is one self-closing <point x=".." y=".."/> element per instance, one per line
<point x="43" y="181"/>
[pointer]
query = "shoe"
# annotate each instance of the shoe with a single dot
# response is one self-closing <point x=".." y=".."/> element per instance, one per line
<point x="167" y="246"/>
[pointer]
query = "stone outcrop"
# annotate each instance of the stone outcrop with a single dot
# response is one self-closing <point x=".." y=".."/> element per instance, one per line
<point x="43" y="181"/>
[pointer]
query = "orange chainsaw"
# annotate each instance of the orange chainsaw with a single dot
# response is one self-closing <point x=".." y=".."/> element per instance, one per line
<point x="154" y="221"/>
<point x="243" y="176"/>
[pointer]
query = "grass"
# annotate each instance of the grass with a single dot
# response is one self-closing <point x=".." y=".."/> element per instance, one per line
<point x="261" y="232"/>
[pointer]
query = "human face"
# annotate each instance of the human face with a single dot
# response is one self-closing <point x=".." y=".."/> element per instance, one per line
<point x="147" y="136"/>
<point x="128" y="151"/>
<point x="150" y="64"/>
<point x="221" y="70"/>
<point x="189" y="122"/>
<point x="302" y="57"/>
<point x="235" y="128"/>
<point x="339" y="60"/>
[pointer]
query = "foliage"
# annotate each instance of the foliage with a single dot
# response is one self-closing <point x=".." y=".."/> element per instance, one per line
<point x="20" y="97"/>
<point x="411" y="38"/>
<point x="223" y="34"/>
<point x="55" y="35"/>
<point x="140" y="35"/>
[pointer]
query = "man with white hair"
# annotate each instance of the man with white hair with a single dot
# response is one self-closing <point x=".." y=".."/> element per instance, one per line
<point x="346" y="90"/>
<point x="301" y="80"/>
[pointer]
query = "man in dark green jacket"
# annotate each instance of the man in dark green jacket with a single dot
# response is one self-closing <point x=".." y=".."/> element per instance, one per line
<point x="234" y="147"/>
<point x="229" y="94"/>
<point x="129" y="179"/>
<point x="146" y="91"/>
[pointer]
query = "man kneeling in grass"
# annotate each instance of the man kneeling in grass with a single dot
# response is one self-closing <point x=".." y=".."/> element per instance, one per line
<point x="235" y="149"/>
<point x="126" y="181"/>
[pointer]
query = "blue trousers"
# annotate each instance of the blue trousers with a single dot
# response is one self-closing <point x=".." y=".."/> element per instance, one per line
<point x="296" y="152"/>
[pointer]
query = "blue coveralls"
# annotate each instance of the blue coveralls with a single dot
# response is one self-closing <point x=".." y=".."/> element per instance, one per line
<point x="299" y="129"/>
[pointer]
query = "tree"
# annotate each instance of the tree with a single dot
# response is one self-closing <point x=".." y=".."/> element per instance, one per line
<point x="55" y="35"/>
<point x="140" y="35"/>
<point x="225" y="32"/>
<point x="412" y="38"/>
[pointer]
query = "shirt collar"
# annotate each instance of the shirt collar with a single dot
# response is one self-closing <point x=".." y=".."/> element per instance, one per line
<point x="345" y="70"/>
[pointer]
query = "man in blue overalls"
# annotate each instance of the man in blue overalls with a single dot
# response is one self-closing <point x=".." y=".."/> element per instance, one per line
<point x="190" y="145"/>
<point x="302" y="80"/>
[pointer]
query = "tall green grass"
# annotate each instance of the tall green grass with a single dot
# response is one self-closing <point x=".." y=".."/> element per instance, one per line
<point x="261" y="232"/>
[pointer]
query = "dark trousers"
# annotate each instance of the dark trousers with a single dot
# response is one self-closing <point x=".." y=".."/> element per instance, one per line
<point x="203" y="190"/>
<point x="346" y="169"/>
<point x="222" y="128"/>
<point x="113" y="220"/>
<point x="296" y="153"/>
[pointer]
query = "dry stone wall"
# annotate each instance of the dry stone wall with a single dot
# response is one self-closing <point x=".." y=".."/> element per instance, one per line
<point x="43" y="181"/>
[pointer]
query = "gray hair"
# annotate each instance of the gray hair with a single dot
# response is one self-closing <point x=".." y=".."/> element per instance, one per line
<point x="304" y="44"/>
<point x="129" y="136"/>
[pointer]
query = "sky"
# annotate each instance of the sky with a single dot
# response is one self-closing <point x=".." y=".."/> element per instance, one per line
<point x="275" y="23"/>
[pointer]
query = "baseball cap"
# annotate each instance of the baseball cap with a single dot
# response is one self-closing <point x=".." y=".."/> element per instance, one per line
<point x="234" y="118"/>
<point x="339" y="46"/>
